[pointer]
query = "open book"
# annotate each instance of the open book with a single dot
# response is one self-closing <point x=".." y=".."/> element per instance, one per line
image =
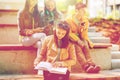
<point x="48" y="66"/>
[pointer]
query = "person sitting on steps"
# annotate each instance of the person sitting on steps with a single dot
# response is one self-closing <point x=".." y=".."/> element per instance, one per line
<point x="79" y="35"/>
<point x="58" y="50"/>
<point x="29" y="25"/>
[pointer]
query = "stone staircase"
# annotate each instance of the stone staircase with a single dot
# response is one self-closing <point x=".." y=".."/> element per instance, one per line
<point x="8" y="27"/>
<point x="17" y="59"/>
<point x="115" y="52"/>
<point x="97" y="37"/>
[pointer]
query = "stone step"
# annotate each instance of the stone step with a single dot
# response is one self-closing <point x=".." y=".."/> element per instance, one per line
<point x="94" y="34"/>
<point x="115" y="54"/>
<point x="115" y="47"/>
<point x="12" y="29"/>
<point x="15" y="47"/>
<point x="17" y="59"/>
<point x="91" y="29"/>
<point x="115" y="63"/>
<point x="9" y="34"/>
<point x="103" y="75"/>
<point x="8" y="16"/>
<point x="100" y="39"/>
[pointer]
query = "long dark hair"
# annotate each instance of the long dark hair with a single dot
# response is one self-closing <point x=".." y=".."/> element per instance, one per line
<point x="65" y="40"/>
<point x="35" y="13"/>
<point x="27" y="7"/>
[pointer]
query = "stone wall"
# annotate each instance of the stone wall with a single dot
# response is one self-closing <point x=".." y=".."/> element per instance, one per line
<point x="17" y="61"/>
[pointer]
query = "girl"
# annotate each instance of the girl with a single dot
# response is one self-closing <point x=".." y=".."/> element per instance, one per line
<point x="58" y="50"/>
<point x="29" y="23"/>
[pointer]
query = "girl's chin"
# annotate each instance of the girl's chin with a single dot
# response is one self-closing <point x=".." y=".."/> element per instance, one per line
<point x="59" y="38"/>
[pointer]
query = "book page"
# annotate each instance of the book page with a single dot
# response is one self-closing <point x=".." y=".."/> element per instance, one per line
<point x="59" y="70"/>
<point x="44" y="66"/>
<point x="48" y="66"/>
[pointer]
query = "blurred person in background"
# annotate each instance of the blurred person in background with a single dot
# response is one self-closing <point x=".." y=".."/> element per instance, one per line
<point x="79" y="35"/>
<point x="50" y="15"/>
<point x="29" y="24"/>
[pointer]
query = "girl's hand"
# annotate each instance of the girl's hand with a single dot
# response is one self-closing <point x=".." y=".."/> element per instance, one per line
<point x="29" y="32"/>
<point x="38" y="30"/>
<point x="57" y="64"/>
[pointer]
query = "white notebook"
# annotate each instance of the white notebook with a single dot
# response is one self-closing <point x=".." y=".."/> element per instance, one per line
<point x="47" y="66"/>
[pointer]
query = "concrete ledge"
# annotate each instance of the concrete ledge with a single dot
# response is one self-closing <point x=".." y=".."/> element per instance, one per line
<point x="102" y="57"/>
<point x="21" y="47"/>
<point x="18" y="59"/>
<point x="7" y="16"/>
<point x="100" y="39"/>
<point x="103" y="75"/>
<point x="9" y="34"/>
<point x="15" y="47"/>
<point x="8" y="10"/>
<point x="102" y="45"/>
<point x="8" y="25"/>
<point x="115" y="54"/>
<point x="115" y="63"/>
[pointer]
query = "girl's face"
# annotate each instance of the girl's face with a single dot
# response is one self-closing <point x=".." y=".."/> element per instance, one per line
<point x="60" y="33"/>
<point x="79" y="13"/>
<point x="50" y="5"/>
